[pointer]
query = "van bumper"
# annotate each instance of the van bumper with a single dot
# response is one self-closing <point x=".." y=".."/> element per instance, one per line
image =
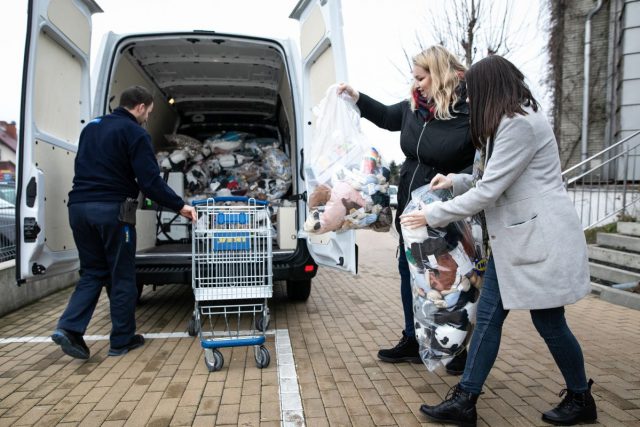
<point x="297" y="265"/>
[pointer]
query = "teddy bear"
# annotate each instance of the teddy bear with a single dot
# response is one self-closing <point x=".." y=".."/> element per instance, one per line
<point x="332" y="215"/>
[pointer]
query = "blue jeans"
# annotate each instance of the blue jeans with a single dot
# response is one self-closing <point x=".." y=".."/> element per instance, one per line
<point x="405" y="292"/>
<point x="107" y="250"/>
<point x="485" y="341"/>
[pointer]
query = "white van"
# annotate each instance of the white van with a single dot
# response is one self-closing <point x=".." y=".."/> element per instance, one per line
<point x="214" y="81"/>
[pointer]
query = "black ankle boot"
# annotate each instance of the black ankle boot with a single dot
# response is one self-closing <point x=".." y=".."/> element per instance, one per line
<point x="574" y="408"/>
<point x="458" y="408"/>
<point x="407" y="350"/>
<point x="456" y="365"/>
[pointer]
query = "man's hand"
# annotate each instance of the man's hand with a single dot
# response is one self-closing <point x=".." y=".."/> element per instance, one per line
<point x="189" y="212"/>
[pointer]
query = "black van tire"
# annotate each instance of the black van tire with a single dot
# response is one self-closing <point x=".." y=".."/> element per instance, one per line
<point x="140" y="287"/>
<point x="298" y="290"/>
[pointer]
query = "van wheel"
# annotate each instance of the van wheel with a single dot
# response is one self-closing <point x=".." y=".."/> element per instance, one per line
<point x="140" y="287"/>
<point x="298" y="290"/>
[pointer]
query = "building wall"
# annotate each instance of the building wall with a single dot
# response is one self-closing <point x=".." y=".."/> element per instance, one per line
<point x="7" y="154"/>
<point x="629" y="69"/>
<point x="569" y="94"/>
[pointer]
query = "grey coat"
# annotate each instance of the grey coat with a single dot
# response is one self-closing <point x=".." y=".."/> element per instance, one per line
<point x="535" y="234"/>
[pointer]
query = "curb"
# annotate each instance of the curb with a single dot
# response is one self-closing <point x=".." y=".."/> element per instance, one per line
<point x="616" y="296"/>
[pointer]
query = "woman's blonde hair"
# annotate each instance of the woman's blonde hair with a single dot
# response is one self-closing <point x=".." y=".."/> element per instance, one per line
<point x="446" y="71"/>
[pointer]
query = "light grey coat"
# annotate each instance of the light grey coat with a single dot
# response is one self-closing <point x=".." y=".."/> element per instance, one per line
<point x="538" y="245"/>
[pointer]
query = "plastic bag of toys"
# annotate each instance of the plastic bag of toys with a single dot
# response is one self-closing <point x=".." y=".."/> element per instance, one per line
<point x="357" y="198"/>
<point x="444" y="282"/>
<point x="337" y="139"/>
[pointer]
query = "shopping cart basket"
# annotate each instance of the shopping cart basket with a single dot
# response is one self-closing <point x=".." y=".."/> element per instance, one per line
<point x="231" y="276"/>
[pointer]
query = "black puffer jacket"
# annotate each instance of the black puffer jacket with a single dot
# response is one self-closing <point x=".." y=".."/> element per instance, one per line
<point x="439" y="146"/>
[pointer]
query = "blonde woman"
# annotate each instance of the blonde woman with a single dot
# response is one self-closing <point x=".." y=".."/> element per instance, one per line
<point x="434" y="136"/>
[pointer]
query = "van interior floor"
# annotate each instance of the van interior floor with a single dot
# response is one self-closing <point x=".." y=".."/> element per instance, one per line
<point x="181" y="248"/>
<point x="173" y="248"/>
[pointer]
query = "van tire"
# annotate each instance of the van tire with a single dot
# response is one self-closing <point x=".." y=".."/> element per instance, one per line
<point x="298" y="290"/>
<point x="140" y="287"/>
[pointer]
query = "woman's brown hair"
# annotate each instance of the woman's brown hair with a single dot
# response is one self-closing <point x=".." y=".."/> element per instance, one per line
<point x="496" y="88"/>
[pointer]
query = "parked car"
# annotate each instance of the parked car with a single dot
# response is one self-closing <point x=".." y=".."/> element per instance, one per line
<point x="393" y="196"/>
<point x="7" y="221"/>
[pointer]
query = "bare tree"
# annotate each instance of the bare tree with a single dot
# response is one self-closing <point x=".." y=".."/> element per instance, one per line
<point x="469" y="26"/>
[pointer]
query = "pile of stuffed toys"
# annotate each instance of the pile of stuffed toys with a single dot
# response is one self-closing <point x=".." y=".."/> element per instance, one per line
<point x="355" y="198"/>
<point x="229" y="163"/>
<point x="444" y="281"/>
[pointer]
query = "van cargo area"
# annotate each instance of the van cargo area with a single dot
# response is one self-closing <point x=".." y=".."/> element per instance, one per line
<point x="212" y="88"/>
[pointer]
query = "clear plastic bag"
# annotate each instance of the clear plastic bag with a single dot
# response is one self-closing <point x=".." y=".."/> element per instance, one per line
<point x="337" y="140"/>
<point x="443" y="279"/>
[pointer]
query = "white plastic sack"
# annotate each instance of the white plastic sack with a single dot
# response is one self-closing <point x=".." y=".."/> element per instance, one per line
<point x="443" y="282"/>
<point x="337" y="139"/>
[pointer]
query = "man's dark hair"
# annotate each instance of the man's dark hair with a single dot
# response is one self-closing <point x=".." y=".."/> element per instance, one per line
<point x="135" y="95"/>
<point x="496" y="88"/>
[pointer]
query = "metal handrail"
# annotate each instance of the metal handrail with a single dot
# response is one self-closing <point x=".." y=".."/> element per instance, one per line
<point x="574" y="179"/>
<point x="606" y="150"/>
<point x="600" y="192"/>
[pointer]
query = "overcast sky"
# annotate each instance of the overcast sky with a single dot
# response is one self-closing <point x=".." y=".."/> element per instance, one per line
<point x="375" y="31"/>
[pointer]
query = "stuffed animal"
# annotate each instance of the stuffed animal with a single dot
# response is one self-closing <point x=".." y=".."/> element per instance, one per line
<point x="335" y="211"/>
<point x="320" y="196"/>
<point x="196" y="178"/>
<point x="312" y="224"/>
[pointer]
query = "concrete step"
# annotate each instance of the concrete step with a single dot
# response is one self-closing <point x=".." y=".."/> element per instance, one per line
<point x="629" y="228"/>
<point x="612" y="274"/>
<point x="619" y="241"/>
<point x="612" y="256"/>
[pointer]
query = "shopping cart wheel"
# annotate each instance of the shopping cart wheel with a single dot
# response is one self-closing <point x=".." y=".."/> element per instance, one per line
<point x="262" y="323"/>
<point x="193" y="328"/>
<point x="213" y="359"/>
<point x="262" y="357"/>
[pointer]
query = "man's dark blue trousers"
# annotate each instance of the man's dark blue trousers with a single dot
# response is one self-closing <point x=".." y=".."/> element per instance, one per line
<point x="107" y="249"/>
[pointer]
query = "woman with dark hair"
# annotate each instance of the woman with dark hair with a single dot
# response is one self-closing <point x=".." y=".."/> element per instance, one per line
<point x="538" y="258"/>
<point x="434" y="136"/>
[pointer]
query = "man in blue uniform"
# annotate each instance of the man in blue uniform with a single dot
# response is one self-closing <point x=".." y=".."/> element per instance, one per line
<point x="115" y="161"/>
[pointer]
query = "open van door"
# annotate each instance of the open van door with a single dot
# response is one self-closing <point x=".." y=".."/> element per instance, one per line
<point x="55" y="107"/>
<point x="323" y="64"/>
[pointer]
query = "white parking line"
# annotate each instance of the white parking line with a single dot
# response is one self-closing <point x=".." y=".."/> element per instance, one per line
<point x="291" y="412"/>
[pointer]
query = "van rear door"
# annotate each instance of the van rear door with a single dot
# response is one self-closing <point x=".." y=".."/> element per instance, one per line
<point x="323" y="64"/>
<point x="55" y="107"/>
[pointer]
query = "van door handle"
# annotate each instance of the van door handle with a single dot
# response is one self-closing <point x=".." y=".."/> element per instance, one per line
<point x="302" y="163"/>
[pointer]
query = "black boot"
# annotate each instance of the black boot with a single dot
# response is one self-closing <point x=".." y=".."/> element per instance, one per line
<point x="407" y="350"/>
<point x="458" y="408"/>
<point x="574" y="408"/>
<point x="456" y="365"/>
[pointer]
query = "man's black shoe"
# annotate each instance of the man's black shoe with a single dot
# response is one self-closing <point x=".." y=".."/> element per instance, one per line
<point x="136" y="341"/>
<point x="407" y="350"/>
<point x="456" y="365"/>
<point x="71" y="343"/>
<point x="459" y="408"/>
<point x="575" y="408"/>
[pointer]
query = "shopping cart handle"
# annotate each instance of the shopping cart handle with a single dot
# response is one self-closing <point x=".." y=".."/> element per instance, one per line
<point x="231" y="199"/>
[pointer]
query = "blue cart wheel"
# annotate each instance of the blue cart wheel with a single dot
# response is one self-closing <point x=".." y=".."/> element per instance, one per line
<point x="262" y="357"/>
<point x="213" y="359"/>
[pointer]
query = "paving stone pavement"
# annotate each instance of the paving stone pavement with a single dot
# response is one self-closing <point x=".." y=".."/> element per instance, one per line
<point x="335" y="336"/>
